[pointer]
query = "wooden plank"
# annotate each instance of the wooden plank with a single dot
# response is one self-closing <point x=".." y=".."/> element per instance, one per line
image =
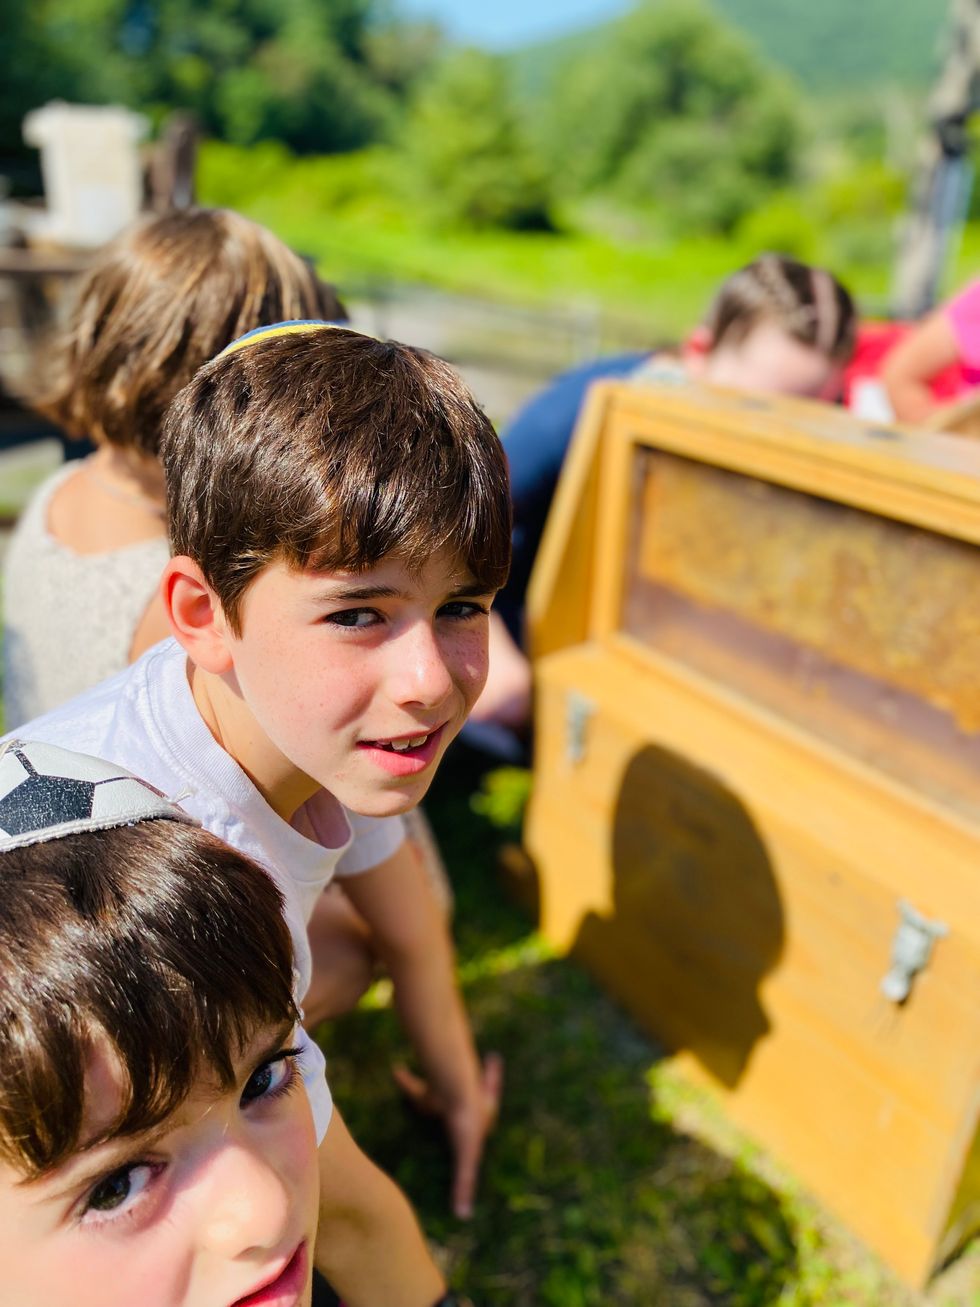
<point x="615" y="516"/>
<point x="751" y="798"/>
<point x="856" y="1142"/>
<point x="758" y="867"/>
<point x="927" y="479"/>
<point x="556" y="599"/>
<point x="891" y="601"/>
<point x="732" y="922"/>
<point x="807" y="783"/>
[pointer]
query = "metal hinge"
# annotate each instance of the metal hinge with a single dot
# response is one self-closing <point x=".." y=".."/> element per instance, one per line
<point x="911" y="950"/>
<point x="578" y="710"/>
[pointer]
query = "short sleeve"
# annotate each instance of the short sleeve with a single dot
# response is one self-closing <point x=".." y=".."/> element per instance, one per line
<point x="963" y="314"/>
<point x="374" y="840"/>
<point x="313" y="1068"/>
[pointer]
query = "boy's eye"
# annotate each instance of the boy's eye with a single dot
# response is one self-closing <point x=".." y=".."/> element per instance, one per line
<point x="271" y="1078"/>
<point x="120" y="1190"/>
<point x="460" y="609"/>
<point x="353" y="617"/>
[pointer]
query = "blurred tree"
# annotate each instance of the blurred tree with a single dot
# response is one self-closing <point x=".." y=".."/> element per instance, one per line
<point x="291" y="70"/>
<point x="402" y="54"/>
<point x="678" y="112"/>
<point x="471" y="158"/>
<point x="58" y="49"/>
<point x="301" y="71"/>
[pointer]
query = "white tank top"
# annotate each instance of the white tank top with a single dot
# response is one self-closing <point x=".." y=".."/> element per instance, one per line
<point x="69" y="619"/>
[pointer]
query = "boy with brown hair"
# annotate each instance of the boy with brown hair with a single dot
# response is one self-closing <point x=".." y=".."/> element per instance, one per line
<point x="156" y="1145"/>
<point x="339" y="512"/>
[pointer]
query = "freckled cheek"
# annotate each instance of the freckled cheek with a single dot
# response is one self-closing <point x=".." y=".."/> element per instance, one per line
<point x="294" y="1155"/>
<point x="348" y="688"/>
<point x="468" y="660"/>
<point x="311" y="682"/>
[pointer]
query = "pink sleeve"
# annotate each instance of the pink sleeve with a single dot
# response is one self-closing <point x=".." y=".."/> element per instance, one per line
<point x="963" y="313"/>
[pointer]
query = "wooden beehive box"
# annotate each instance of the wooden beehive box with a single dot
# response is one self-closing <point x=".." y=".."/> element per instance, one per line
<point x="756" y="628"/>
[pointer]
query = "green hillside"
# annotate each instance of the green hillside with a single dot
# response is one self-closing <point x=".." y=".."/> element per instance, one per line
<point x="841" y="45"/>
<point x="828" y="46"/>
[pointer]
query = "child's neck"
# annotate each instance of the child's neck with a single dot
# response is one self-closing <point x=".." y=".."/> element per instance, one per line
<point x="132" y="477"/>
<point x="219" y="701"/>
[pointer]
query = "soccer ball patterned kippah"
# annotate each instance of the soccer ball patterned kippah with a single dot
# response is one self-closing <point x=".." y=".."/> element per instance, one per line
<point x="47" y="792"/>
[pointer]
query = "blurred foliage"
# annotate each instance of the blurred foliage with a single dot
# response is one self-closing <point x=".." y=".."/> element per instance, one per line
<point x="784" y="223"/>
<point x="834" y="49"/>
<point x="366" y="184"/>
<point x="316" y="74"/>
<point x="675" y="112"/>
<point x="618" y="171"/>
<point x="839" y="45"/>
<point x="349" y="213"/>
<point x="667" y="124"/>
<point x="503" y="797"/>
<point x="467" y="149"/>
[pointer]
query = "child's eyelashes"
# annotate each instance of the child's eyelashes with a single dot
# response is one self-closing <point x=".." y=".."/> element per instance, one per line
<point x="458" y="610"/>
<point x="354" y="618"/>
<point x="462" y="609"/>
<point x="274" y="1077"/>
<point x="121" y="1194"/>
<point x="118" y="1195"/>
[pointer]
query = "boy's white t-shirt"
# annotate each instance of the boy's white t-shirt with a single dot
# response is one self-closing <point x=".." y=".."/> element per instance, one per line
<point x="145" y="719"/>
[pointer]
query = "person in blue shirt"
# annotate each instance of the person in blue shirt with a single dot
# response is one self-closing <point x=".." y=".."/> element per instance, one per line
<point x="775" y="325"/>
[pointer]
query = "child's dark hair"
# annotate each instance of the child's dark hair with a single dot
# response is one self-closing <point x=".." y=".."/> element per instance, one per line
<point x="330" y="449"/>
<point x="808" y="303"/>
<point x="161" y="299"/>
<point x="155" y="939"/>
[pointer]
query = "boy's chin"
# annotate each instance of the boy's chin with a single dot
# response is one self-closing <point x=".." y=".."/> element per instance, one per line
<point x="385" y="803"/>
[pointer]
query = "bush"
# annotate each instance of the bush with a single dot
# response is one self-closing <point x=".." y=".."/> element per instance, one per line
<point x="783" y="223"/>
<point x="678" y="112"/>
<point x="472" y="162"/>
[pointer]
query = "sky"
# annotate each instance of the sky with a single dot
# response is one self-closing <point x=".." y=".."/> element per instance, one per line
<point x="504" y="24"/>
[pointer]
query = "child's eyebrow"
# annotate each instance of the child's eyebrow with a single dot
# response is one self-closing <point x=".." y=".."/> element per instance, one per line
<point x="102" y="1156"/>
<point x="349" y="593"/>
<point x="340" y="591"/>
<point x="470" y="590"/>
<point x="93" y="1160"/>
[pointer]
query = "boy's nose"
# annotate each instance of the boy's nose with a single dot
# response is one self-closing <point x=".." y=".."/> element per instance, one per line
<point x="245" y="1205"/>
<point x="419" y="674"/>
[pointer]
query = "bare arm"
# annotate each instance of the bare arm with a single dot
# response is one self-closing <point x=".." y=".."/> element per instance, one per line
<point x="411" y="937"/>
<point x="911" y="365"/>
<point x="369" y="1244"/>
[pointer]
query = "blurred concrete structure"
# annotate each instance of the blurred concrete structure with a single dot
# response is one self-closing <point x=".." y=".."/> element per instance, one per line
<point x="93" y="174"/>
<point x="945" y="172"/>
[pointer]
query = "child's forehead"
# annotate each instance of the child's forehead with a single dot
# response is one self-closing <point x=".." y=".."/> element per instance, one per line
<point x="105" y="1091"/>
<point x="444" y="567"/>
<point x="105" y="1098"/>
<point x="104" y="1095"/>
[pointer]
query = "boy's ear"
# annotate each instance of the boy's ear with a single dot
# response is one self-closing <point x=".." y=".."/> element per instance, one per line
<point x="195" y="614"/>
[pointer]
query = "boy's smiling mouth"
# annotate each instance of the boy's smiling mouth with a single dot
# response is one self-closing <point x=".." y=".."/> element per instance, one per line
<point x="403" y="744"/>
<point x="403" y="755"/>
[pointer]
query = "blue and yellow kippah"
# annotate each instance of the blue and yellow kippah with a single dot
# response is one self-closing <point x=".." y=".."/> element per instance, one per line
<point x="296" y="327"/>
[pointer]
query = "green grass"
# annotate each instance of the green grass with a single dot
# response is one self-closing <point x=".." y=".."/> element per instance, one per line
<point x="609" y="1180"/>
<point x="354" y="215"/>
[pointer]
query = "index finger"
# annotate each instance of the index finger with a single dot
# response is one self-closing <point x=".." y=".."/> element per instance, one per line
<point x="469" y="1149"/>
